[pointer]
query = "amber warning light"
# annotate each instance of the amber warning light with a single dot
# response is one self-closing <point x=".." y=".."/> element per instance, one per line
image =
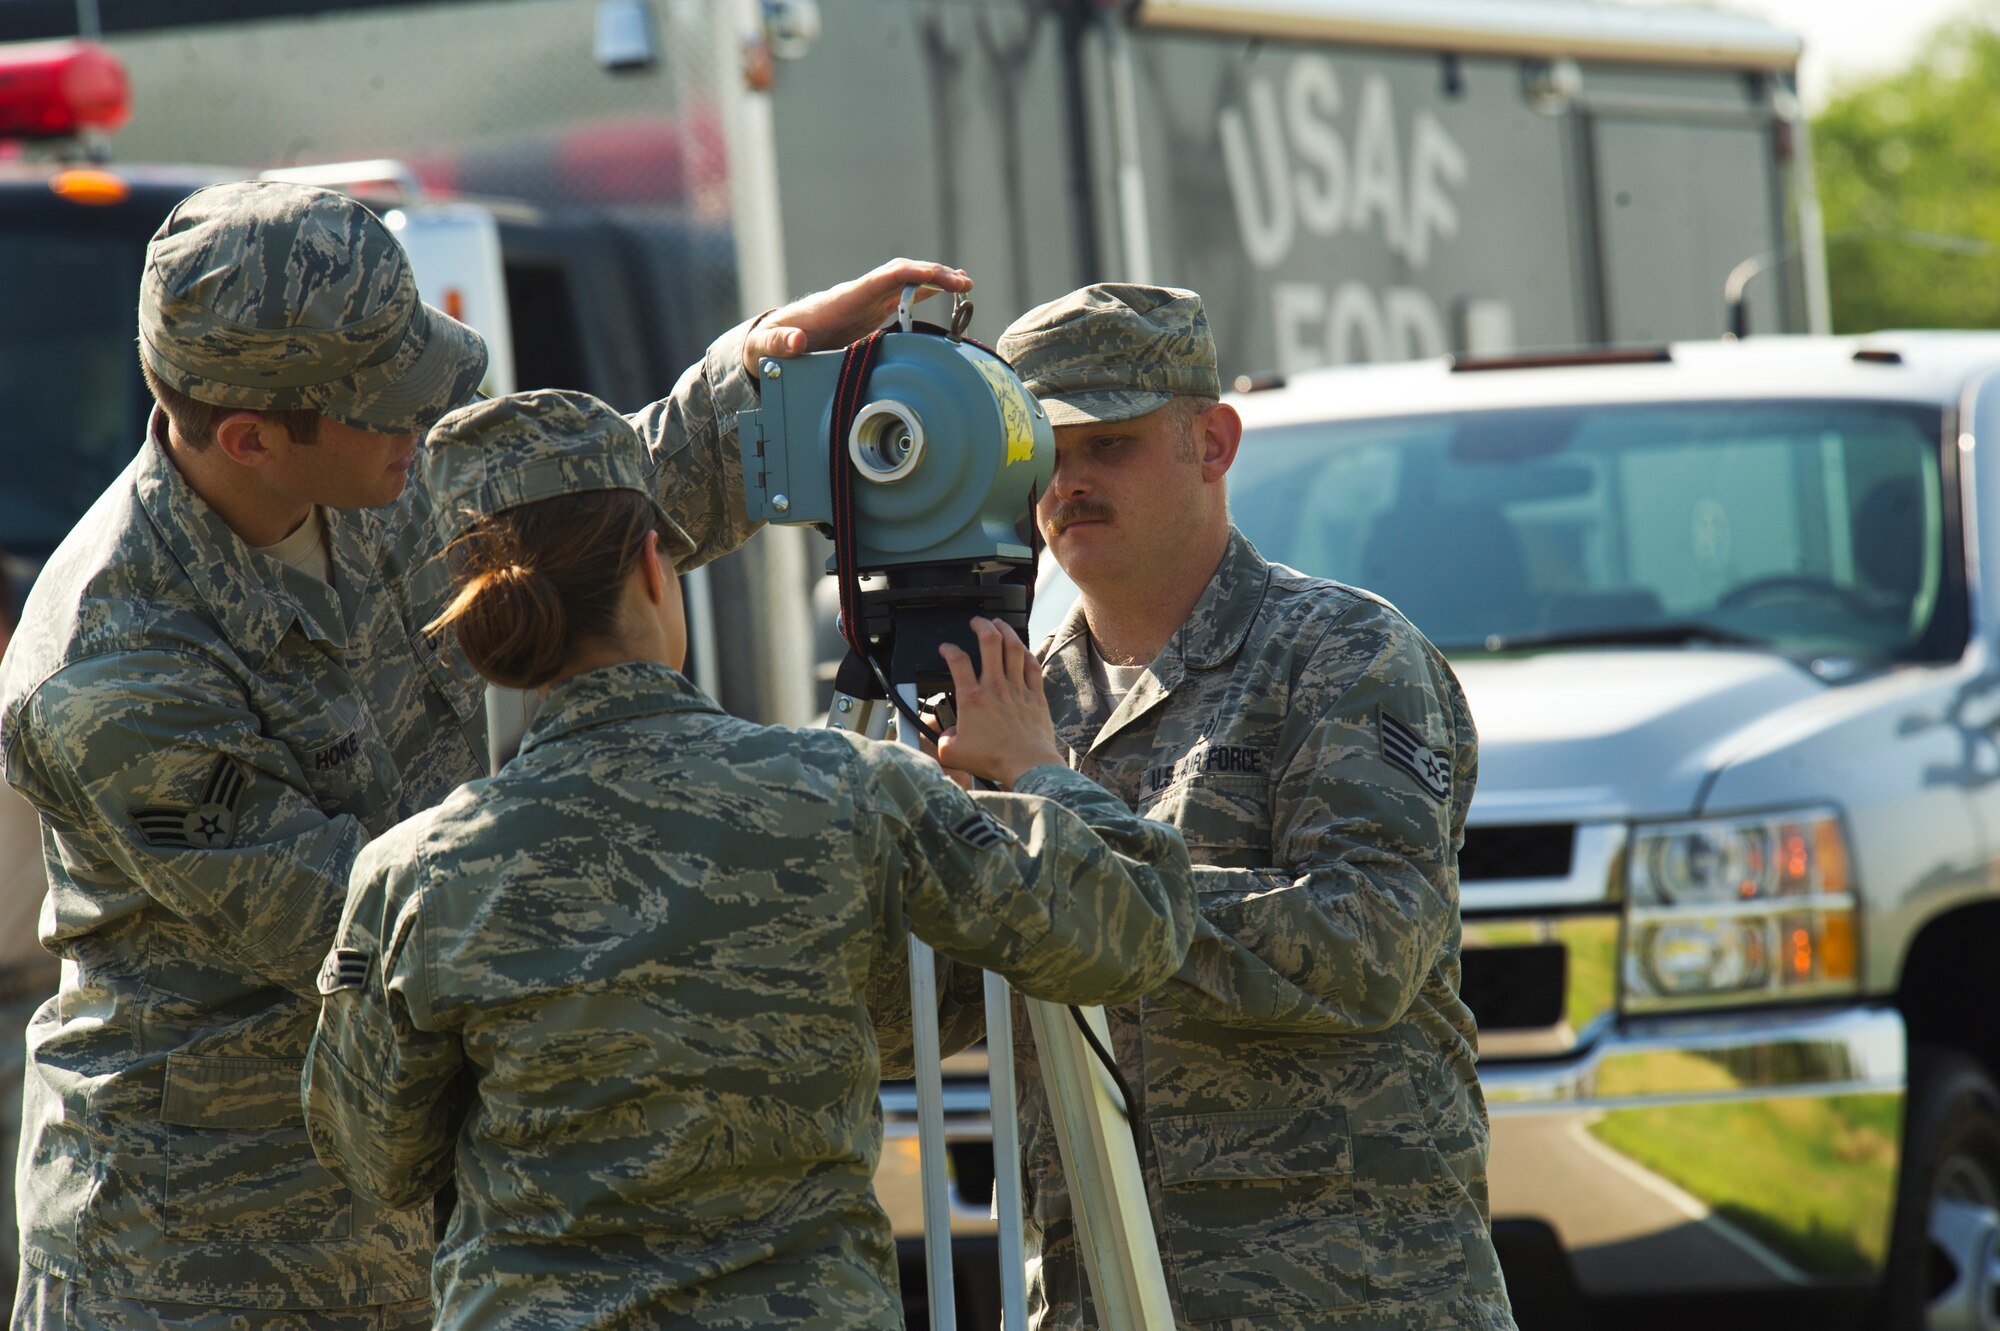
<point x="89" y="186"/>
<point x="57" y="89"/>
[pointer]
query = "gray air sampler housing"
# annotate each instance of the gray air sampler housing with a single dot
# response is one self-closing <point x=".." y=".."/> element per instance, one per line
<point x="947" y="449"/>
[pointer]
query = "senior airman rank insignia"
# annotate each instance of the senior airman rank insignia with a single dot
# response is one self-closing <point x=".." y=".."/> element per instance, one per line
<point x="344" y="968"/>
<point x="1405" y="748"/>
<point x="210" y="824"/>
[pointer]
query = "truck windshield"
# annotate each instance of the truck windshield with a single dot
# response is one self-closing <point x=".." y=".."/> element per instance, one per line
<point x="1813" y="528"/>
<point x="72" y="405"/>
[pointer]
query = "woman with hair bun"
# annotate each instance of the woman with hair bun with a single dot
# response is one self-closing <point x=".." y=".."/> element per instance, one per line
<point x="619" y="992"/>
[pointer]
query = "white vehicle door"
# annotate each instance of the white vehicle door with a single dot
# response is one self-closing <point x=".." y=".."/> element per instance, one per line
<point x="454" y="249"/>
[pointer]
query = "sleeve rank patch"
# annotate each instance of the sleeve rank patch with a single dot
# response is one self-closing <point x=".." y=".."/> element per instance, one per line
<point x="983" y="832"/>
<point x="210" y="824"/>
<point x="344" y="968"/>
<point x="1405" y="748"/>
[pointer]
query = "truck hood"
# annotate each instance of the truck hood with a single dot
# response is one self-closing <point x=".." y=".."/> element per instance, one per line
<point x="1586" y="735"/>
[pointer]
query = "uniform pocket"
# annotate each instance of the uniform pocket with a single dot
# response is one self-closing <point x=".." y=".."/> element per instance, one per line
<point x="239" y="1168"/>
<point x="346" y="764"/>
<point x="453" y="681"/>
<point x="1259" y="1211"/>
<point x="523" y="1128"/>
<point x="1225" y="819"/>
<point x="1421" y="1221"/>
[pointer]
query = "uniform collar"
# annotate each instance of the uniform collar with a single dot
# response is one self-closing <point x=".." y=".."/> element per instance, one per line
<point x="610" y="694"/>
<point x="355" y="536"/>
<point x="1215" y="629"/>
<point x="1210" y="637"/>
<point x="1077" y="707"/>
<point x="247" y="593"/>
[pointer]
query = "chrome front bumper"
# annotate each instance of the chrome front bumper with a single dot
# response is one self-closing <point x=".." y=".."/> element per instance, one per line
<point x="1708" y="1155"/>
<point x="1676" y="1154"/>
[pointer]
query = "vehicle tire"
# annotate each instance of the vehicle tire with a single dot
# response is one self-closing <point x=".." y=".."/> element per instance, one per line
<point x="1944" y="1259"/>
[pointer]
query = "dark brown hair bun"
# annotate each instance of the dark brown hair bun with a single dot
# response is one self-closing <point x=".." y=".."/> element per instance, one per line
<point x="538" y="583"/>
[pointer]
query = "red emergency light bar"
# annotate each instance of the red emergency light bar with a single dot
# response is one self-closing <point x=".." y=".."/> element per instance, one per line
<point x="53" y="90"/>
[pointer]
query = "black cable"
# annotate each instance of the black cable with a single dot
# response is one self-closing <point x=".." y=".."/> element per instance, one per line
<point x="1134" y="1116"/>
<point x="896" y="698"/>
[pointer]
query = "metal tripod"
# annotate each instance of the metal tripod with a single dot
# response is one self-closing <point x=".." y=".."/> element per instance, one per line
<point x="1100" y="1159"/>
<point x="873" y="718"/>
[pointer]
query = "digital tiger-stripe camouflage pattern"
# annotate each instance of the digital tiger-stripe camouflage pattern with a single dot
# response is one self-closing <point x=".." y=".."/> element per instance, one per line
<point x="211" y="738"/>
<point x="1316" y="1134"/>
<point x="656" y="936"/>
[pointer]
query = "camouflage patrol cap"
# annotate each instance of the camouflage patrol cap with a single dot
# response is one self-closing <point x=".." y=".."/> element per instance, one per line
<point x="508" y="451"/>
<point x="1113" y="351"/>
<point x="274" y="296"/>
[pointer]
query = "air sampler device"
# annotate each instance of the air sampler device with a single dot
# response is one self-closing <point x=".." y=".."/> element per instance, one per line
<point x="921" y="453"/>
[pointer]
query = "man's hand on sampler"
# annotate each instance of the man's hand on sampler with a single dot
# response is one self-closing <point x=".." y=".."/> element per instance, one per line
<point x="846" y="313"/>
<point x="1003" y="725"/>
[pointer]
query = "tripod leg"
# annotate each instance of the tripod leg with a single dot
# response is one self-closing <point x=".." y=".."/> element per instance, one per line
<point x="930" y="1135"/>
<point x="1121" y="1253"/>
<point x="930" y="1110"/>
<point x="1006" y="1154"/>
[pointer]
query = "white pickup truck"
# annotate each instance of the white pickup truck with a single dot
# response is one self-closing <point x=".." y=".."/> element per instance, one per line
<point x="1731" y="890"/>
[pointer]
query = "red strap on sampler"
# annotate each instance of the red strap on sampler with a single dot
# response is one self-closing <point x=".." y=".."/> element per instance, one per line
<point x="855" y="368"/>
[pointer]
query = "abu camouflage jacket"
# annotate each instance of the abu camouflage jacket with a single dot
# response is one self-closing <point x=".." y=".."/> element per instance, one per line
<point x="1316" y="1133"/>
<point x="621" y="990"/>
<point x="210" y="739"/>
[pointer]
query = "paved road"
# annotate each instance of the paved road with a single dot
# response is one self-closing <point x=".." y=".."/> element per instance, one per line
<point x="1627" y="1229"/>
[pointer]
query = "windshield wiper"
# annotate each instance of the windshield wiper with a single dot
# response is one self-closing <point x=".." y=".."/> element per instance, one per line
<point x="1674" y="634"/>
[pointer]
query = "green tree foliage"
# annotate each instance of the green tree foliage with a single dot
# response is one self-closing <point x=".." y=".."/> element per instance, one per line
<point x="1909" y="180"/>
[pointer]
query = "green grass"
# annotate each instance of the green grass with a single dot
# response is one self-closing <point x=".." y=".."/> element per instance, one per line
<point x="1593" y="969"/>
<point x="1809" y="1178"/>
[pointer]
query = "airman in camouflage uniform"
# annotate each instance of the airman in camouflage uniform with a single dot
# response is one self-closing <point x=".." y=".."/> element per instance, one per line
<point x="621" y="987"/>
<point x="1317" y="1136"/>
<point x="28" y="975"/>
<point x="210" y="737"/>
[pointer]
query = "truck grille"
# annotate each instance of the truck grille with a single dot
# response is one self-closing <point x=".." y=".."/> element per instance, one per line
<point x="1498" y="854"/>
<point x="1539" y="985"/>
<point x="1515" y="988"/>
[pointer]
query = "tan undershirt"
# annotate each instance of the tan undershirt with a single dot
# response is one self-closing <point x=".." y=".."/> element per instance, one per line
<point x="305" y="549"/>
<point x="1114" y="681"/>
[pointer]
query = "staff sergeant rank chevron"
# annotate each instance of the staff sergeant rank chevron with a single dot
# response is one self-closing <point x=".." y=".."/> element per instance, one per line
<point x="1406" y="749"/>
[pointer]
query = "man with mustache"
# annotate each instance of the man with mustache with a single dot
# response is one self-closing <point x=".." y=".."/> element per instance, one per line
<point x="1315" y="1133"/>
<point x="220" y="691"/>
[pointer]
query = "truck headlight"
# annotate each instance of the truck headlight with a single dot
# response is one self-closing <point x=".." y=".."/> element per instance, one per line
<point x="1739" y="910"/>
